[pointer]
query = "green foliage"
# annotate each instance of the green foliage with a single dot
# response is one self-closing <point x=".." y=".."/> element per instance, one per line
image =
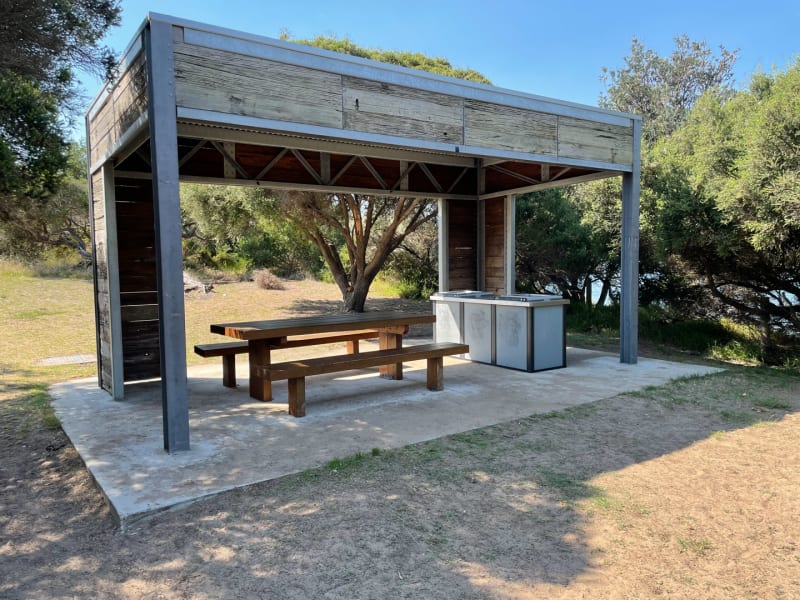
<point x="41" y="42"/>
<point x="239" y="229"/>
<point x="593" y="319"/>
<point x="32" y="149"/>
<point x="726" y="193"/>
<point x="44" y="41"/>
<point x="664" y="89"/>
<point x="721" y="339"/>
<point x="415" y="264"/>
<point x="43" y="222"/>
<point x="562" y="242"/>
<point x="412" y="60"/>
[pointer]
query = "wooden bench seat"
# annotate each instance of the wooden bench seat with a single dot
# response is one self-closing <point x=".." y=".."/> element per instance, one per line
<point x="229" y="350"/>
<point x="296" y="371"/>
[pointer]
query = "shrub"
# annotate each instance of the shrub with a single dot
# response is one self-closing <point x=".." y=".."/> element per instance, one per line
<point x="266" y="280"/>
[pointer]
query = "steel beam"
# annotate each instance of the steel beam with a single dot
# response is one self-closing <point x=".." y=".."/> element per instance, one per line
<point x="307" y="166"/>
<point x="362" y="138"/>
<point x="629" y="285"/>
<point x="112" y="266"/>
<point x="169" y="257"/>
<point x="510" y="214"/>
<point x="443" y="224"/>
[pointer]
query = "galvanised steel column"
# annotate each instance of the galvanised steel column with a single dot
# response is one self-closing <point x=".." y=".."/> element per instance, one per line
<point x="629" y="285"/>
<point x="169" y="256"/>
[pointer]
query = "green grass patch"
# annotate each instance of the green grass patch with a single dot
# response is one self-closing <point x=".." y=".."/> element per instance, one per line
<point x="347" y="464"/>
<point x="699" y="547"/>
<point x="571" y="412"/>
<point x="384" y="286"/>
<point x="36" y="313"/>
<point x="567" y="485"/>
<point x="738" y="417"/>
<point x="723" y="340"/>
<point x="478" y="438"/>
<point x="28" y="407"/>
<point x="772" y="403"/>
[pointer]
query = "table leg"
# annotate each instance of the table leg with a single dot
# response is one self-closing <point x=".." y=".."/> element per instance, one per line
<point x="391" y="341"/>
<point x="260" y="384"/>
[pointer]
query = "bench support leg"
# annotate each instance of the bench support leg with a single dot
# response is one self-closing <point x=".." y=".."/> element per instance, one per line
<point x="297" y="397"/>
<point x="229" y="370"/>
<point x="391" y="341"/>
<point x="352" y="347"/>
<point x="260" y="384"/>
<point x="436" y="373"/>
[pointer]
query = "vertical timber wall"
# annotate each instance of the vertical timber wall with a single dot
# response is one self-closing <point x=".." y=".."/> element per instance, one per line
<point x="494" y="246"/>
<point x="138" y="289"/>
<point x="102" y="296"/>
<point x="134" y="293"/>
<point x="462" y="244"/>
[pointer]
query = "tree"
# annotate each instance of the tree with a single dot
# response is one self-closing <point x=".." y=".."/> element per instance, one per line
<point x="356" y="233"/>
<point x="554" y="247"/>
<point x="43" y="40"/>
<point x="53" y="220"/>
<point x="727" y="188"/>
<point x="238" y="229"/>
<point x="42" y="197"/>
<point x="582" y="246"/>
<point x="415" y="264"/>
<point x="664" y="89"/>
<point x="412" y="60"/>
<point x="368" y="228"/>
<point x="41" y="43"/>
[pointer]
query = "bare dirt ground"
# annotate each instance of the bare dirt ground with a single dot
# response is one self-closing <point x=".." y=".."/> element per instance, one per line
<point x="686" y="491"/>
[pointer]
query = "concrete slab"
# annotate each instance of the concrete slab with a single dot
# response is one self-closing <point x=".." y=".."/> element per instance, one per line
<point x="236" y="441"/>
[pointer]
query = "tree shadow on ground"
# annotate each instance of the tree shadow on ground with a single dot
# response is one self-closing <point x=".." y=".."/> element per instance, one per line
<point x="492" y="512"/>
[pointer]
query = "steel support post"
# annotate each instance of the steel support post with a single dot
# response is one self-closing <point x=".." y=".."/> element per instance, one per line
<point x="629" y="285"/>
<point x="169" y="257"/>
<point x="442" y="218"/>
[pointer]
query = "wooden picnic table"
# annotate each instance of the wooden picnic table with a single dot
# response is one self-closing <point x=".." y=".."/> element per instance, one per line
<point x="261" y="336"/>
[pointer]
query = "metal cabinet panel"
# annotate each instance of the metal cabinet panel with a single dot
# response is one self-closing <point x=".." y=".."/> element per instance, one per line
<point x="478" y="331"/>
<point x="512" y="334"/>
<point x="448" y="321"/>
<point x="548" y="336"/>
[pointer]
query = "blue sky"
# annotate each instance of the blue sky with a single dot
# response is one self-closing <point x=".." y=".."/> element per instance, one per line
<point x="555" y="48"/>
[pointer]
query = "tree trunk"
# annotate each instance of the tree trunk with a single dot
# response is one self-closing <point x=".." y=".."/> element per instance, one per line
<point x="601" y="300"/>
<point x="770" y="354"/>
<point x="355" y="297"/>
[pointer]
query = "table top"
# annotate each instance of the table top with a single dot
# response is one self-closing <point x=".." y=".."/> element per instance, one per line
<point x="276" y="328"/>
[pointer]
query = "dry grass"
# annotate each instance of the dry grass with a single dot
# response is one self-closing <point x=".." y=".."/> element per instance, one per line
<point x="683" y="491"/>
<point x="267" y="280"/>
<point x="55" y="317"/>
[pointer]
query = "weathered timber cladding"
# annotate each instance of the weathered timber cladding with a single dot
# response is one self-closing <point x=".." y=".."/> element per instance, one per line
<point x="225" y="81"/>
<point x="489" y="125"/>
<point x="210" y="79"/>
<point x="494" y="245"/>
<point x="122" y="107"/>
<point x="462" y="244"/>
<point x="382" y="108"/>
<point x="101" y="131"/>
<point x="588" y="140"/>
<point x="101" y="298"/>
<point x="137" y="274"/>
